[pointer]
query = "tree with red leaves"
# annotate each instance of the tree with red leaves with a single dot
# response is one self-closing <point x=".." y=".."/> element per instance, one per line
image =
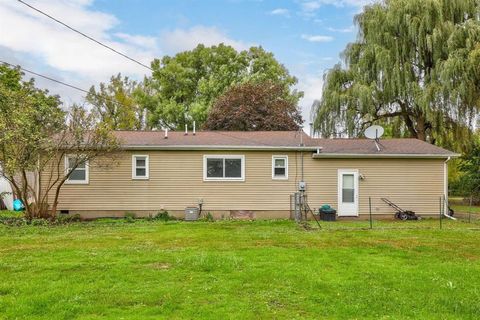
<point x="255" y="106"/>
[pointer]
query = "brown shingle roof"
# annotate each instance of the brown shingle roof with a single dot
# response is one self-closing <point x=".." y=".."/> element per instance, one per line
<point x="387" y="147"/>
<point x="275" y="140"/>
<point x="213" y="138"/>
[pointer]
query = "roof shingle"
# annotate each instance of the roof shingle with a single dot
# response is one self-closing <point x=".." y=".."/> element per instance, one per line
<point x="276" y="139"/>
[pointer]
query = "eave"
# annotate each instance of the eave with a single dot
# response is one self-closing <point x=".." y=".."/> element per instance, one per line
<point x="219" y="148"/>
<point x="383" y="156"/>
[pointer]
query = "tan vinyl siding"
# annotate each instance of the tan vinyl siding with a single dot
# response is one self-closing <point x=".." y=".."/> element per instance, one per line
<point x="413" y="184"/>
<point x="176" y="181"/>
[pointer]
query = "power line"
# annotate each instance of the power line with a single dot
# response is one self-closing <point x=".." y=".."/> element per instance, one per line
<point x="84" y="35"/>
<point x="46" y="77"/>
<point x="63" y="83"/>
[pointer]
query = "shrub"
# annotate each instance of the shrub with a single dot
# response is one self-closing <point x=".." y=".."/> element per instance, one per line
<point x="65" y="219"/>
<point x="40" y="222"/>
<point x="13" y="221"/>
<point x="130" y="217"/>
<point x="163" y="215"/>
<point x="208" y="217"/>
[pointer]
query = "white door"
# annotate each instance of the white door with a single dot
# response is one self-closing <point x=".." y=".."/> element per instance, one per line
<point x="347" y="192"/>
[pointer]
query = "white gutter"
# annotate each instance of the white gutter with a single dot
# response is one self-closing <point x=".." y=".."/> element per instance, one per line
<point x="216" y="147"/>
<point x="385" y="155"/>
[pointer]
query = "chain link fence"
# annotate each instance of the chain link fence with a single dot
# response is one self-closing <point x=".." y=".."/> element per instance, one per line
<point x="461" y="220"/>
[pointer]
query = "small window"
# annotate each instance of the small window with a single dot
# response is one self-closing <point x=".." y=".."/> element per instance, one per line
<point x="79" y="171"/>
<point x="280" y="167"/>
<point x="224" y="168"/>
<point x="140" y="167"/>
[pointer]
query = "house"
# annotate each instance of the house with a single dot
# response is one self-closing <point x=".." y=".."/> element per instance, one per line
<point x="228" y="172"/>
<point x="6" y="195"/>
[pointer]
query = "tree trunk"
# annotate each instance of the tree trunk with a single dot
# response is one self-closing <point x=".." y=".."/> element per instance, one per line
<point x="421" y="129"/>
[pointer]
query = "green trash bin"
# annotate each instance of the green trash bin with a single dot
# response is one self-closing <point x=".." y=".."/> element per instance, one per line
<point x="327" y="213"/>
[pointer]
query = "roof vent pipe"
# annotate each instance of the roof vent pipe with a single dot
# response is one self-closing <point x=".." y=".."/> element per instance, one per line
<point x="194" y="128"/>
<point x="166" y="133"/>
<point x="186" y="129"/>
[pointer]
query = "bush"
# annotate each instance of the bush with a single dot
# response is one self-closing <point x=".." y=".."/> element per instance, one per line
<point x="208" y="217"/>
<point x="40" y="222"/>
<point x="13" y="221"/>
<point x="163" y="215"/>
<point x="130" y="217"/>
<point x="17" y="221"/>
<point x="66" y="219"/>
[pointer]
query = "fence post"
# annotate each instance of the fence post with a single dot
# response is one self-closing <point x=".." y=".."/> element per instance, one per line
<point x="370" y="210"/>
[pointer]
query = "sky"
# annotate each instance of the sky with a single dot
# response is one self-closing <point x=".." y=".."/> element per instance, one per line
<point x="307" y="36"/>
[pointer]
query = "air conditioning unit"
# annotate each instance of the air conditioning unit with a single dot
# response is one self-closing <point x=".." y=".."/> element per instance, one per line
<point x="191" y="214"/>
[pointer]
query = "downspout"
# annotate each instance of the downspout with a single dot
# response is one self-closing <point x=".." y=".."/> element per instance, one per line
<point x="445" y="188"/>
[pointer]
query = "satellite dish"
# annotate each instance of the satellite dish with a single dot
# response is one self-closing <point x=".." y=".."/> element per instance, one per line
<point x="374" y="132"/>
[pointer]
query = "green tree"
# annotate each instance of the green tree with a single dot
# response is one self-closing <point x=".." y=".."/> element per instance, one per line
<point x="468" y="179"/>
<point x="117" y="103"/>
<point x="36" y="134"/>
<point x="183" y="88"/>
<point x="254" y="107"/>
<point x="415" y="68"/>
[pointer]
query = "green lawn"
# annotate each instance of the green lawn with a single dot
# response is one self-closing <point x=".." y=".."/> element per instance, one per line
<point x="240" y="270"/>
<point x="460" y="208"/>
<point x="460" y="205"/>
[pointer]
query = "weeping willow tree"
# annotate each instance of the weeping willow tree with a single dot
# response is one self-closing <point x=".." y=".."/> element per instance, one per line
<point x="414" y="68"/>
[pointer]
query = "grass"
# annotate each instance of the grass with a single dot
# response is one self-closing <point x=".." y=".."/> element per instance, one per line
<point x="10" y="214"/>
<point x="240" y="270"/>
<point x="465" y="208"/>
<point x="461" y="206"/>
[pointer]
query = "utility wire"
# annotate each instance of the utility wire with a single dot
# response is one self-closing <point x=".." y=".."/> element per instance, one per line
<point x="46" y="77"/>
<point x="63" y="83"/>
<point x="84" y="35"/>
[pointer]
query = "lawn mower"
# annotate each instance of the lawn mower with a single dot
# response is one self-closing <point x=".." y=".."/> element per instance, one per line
<point x="400" y="213"/>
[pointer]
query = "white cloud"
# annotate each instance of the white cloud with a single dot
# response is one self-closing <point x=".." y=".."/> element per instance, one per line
<point x="280" y="12"/>
<point x="310" y="7"/>
<point x="138" y="40"/>
<point x="40" y="44"/>
<point x="342" y="30"/>
<point x="317" y="38"/>
<point x="316" y="4"/>
<point x="65" y="50"/>
<point x="187" y="39"/>
<point x="312" y="86"/>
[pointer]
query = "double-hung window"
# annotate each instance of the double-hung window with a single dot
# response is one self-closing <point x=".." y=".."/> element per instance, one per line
<point x="140" y="167"/>
<point x="280" y="167"/>
<point x="224" y="168"/>
<point x="77" y="169"/>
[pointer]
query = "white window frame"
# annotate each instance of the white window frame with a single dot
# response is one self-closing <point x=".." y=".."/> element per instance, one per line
<point x="274" y="157"/>
<point x="67" y="168"/>
<point x="218" y="156"/>
<point x="134" y="167"/>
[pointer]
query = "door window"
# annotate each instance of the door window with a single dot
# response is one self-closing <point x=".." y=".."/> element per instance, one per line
<point x="348" y="188"/>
